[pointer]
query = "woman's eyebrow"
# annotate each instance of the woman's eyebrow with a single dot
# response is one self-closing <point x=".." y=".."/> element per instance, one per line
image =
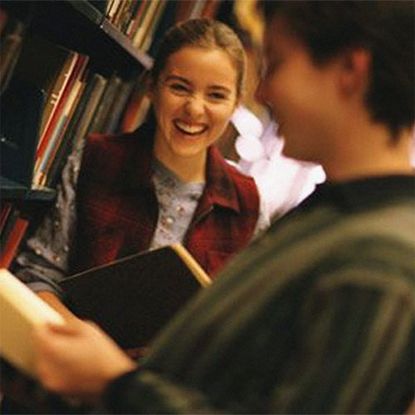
<point x="220" y="88"/>
<point x="177" y="78"/>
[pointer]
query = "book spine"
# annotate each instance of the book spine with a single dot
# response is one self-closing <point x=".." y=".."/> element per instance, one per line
<point x="144" y="22"/>
<point x="114" y="114"/>
<point x="210" y="9"/>
<point x="136" y="108"/>
<point x="148" y="37"/>
<point x="54" y="97"/>
<point x="98" y="121"/>
<point x="47" y="139"/>
<point x="4" y="214"/>
<point x="131" y="28"/>
<point x="94" y="97"/>
<point x="56" y="139"/>
<point x="13" y="241"/>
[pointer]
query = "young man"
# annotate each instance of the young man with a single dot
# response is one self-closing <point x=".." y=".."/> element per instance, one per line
<point x="318" y="316"/>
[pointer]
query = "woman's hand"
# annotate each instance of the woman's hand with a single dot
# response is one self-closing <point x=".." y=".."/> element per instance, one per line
<point x="77" y="359"/>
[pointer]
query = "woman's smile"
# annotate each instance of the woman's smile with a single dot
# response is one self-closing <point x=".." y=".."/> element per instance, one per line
<point x="190" y="129"/>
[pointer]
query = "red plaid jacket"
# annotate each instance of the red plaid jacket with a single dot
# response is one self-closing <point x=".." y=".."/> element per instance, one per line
<point x="118" y="209"/>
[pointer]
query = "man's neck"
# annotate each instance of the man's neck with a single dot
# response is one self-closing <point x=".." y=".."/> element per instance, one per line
<point x="367" y="152"/>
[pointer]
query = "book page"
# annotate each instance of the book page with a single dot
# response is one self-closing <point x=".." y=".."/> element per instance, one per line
<point x="20" y="311"/>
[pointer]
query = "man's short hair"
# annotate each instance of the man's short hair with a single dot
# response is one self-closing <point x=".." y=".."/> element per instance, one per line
<point x="385" y="28"/>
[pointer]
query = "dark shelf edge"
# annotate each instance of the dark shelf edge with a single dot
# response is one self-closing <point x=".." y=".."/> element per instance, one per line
<point x="126" y="44"/>
<point x="98" y="18"/>
<point x="40" y="194"/>
<point x="93" y="24"/>
<point x="25" y="194"/>
<point x="88" y="10"/>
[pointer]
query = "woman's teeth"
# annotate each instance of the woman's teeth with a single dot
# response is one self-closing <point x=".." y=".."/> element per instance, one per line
<point x="189" y="129"/>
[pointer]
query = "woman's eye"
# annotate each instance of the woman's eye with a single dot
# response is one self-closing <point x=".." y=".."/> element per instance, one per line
<point x="217" y="95"/>
<point x="179" y="88"/>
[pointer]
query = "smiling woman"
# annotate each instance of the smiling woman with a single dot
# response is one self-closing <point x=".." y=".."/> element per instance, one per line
<point x="193" y="111"/>
<point x="163" y="183"/>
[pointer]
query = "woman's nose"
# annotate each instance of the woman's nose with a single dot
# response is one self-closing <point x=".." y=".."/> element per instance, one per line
<point x="195" y="106"/>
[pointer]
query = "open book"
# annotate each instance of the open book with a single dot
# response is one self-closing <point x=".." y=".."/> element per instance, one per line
<point x="20" y="311"/>
<point x="133" y="297"/>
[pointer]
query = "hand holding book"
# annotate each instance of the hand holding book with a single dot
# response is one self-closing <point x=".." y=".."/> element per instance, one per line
<point x="130" y="299"/>
<point x="32" y="337"/>
<point x="58" y="349"/>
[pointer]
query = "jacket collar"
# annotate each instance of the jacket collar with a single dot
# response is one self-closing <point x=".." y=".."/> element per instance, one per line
<point x="220" y="189"/>
<point x="361" y="194"/>
<point x="140" y="168"/>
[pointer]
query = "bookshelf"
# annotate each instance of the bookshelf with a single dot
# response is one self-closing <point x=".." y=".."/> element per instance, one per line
<point x="77" y="25"/>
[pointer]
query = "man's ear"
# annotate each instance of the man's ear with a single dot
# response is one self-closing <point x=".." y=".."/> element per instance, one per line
<point x="355" y="70"/>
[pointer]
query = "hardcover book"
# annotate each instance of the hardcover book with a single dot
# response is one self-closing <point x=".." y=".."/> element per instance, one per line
<point x="133" y="298"/>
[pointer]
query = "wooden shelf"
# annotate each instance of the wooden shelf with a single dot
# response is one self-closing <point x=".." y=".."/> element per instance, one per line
<point x="22" y="193"/>
<point x="78" y="25"/>
<point x="125" y="43"/>
<point x="88" y="10"/>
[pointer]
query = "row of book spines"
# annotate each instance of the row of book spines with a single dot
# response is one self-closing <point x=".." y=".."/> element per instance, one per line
<point x="12" y="231"/>
<point x="61" y="101"/>
<point x="13" y="225"/>
<point x="73" y="98"/>
<point x="94" y="104"/>
<point x="139" y="19"/>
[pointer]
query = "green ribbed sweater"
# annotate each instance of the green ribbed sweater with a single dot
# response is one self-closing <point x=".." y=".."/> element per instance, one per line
<point x="317" y="316"/>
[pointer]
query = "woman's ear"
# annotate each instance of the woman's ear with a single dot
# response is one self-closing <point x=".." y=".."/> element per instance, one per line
<point x="355" y="71"/>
